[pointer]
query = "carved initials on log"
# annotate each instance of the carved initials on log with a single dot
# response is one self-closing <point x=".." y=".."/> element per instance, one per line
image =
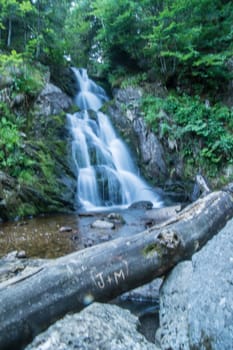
<point x="102" y="280"/>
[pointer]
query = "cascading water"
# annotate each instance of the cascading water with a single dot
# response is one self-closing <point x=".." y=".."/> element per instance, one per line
<point x="106" y="175"/>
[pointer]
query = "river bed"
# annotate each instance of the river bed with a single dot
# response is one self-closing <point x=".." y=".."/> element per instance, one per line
<point x="56" y="235"/>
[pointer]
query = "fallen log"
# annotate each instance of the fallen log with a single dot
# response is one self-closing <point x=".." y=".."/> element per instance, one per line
<point x="103" y="272"/>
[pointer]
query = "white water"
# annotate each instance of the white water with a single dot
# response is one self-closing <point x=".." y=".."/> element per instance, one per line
<point x="106" y="174"/>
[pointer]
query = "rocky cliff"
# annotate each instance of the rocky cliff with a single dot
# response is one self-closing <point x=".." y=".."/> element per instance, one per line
<point x="46" y="182"/>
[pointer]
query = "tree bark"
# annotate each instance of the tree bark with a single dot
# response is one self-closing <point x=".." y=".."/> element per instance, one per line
<point x="9" y="32"/>
<point x="103" y="272"/>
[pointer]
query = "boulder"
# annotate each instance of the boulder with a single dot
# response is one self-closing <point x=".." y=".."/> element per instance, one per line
<point x="196" y="305"/>
<point x="52" y="101"/>
<point x="99" y="326"/>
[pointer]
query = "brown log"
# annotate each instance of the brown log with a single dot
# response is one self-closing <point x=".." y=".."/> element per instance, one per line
<point x="102" y="272"/>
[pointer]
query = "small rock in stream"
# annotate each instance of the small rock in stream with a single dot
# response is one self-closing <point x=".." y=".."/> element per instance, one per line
<point x="102" y="224"/>
<point x="116" y="218"/>
<point x="21" y="254"/>
<point x="65" y="229"/>
<point x="142" y="205"/>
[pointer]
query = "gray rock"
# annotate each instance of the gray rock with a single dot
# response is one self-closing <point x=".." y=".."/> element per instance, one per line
<point x="21" y="254"/>
<point x="151" y="149"/>
<point x="196" y="304"/>
<point x="99" y="326"/>
<point x="211" y="294"/>
<point x="116" y="218"/>
<point x="52" y="101"/>
<point x="102" y="224"/>
<point x="128" y="118"/>
<point x="65" y="229"/>
<point x="174" y="295"/>
<point x="141" y="205"/>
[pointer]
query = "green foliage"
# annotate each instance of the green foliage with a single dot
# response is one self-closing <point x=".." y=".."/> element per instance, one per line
<point x="35" y="28"/>
<point x="80" y="29"/>
<point x="203" y="135"/>
<point x="134" y="80"/>
<point x="191" y="41"/>
<point x="182" y="42"/>
<point x="13" y="159"/>
<point x="26" y="79"/>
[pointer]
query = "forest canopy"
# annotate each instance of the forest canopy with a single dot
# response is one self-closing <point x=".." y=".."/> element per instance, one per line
<point x="182" y="42"/>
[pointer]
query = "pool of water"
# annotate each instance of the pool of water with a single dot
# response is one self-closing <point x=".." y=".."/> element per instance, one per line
<point x="43" y="237"/>
<point x="39" y="237"/>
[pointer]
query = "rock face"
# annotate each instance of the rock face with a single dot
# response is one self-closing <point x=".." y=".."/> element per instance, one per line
<point x="52" y="101"/>
<point x="196" y="305"/>
<point x="46" y="146"/>
<point x="127" y="117"/>
<point x="99" y="326"/>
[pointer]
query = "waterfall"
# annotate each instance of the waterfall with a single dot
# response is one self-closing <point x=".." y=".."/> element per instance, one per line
<point x="106" y="174"/>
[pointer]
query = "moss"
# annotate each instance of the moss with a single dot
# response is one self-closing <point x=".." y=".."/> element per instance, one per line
<point x="153" y="248"/>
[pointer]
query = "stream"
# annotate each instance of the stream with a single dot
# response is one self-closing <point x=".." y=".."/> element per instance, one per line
<point x="56" y="235"/>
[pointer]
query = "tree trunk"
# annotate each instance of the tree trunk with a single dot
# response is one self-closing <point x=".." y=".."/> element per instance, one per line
<point x="102" y="272"/>
<point x="9" y="32"/>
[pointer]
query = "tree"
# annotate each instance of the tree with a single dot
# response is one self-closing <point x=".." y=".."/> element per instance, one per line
<point x="80" y="30"/>
<point x="13" y="18"/>
<point x="192" y="41"/>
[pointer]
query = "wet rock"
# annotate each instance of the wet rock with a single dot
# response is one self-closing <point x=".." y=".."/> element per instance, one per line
<point x="103" y="224"/>
<point x="141" y="205"/>
<point x="65" y="229"/>
<point x="21" y="254"/>
<point x="105" y="238"/>
<point x="21" y="223"/>
<point x="196" y="305"/>
<point x="89" y="243"/>
<point x="116" y="218"/>
<point x="99" y="326"/>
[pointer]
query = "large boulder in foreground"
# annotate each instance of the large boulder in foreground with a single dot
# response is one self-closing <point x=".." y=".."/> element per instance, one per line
<point x="196" y="299"/>
<point x="99" y="326"/>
